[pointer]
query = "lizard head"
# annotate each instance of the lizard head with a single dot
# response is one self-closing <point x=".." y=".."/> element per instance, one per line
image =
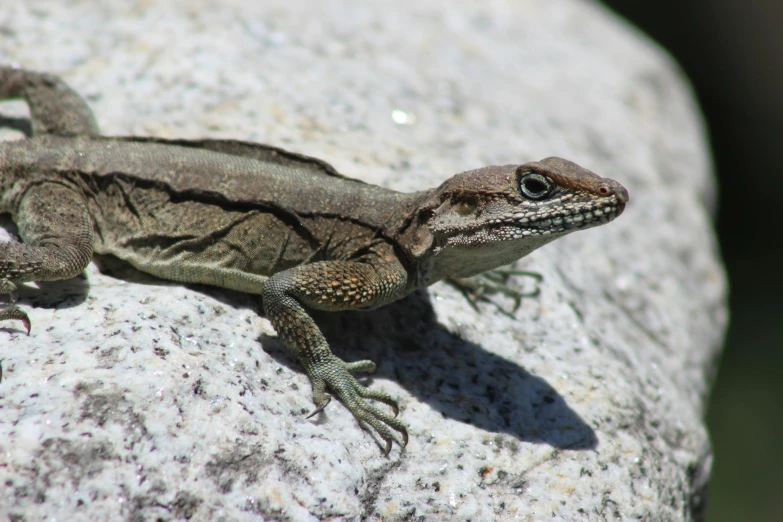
<point x="489" y="217"/>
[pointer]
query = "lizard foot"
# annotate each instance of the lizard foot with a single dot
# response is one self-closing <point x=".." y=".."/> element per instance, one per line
<point x="334" y="374"/>
<point x="14" y="312"/>
<point x="476" y="288"/>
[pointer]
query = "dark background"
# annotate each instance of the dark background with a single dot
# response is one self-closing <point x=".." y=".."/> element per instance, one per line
<point x="732" y="52"/>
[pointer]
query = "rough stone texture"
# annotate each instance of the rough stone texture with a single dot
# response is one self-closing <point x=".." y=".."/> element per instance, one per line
<point x="142" y="400"/>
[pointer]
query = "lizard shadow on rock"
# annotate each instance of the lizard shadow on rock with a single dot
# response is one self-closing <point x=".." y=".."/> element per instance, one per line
<point x="22" y="124"/>
<point x="460" y="379"/>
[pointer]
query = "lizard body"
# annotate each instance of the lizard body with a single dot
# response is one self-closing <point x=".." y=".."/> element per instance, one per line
<point x="262" y="220"/>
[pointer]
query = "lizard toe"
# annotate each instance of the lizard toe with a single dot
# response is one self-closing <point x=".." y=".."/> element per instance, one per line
<point x="14" y="312"/>
<point x="320" y="398"/>
<point x="379" y="396"/>
<point x="366" y="366"/>
<point x="381" y="423"/>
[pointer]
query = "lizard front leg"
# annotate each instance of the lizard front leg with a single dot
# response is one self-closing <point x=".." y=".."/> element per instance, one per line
<point x="334" y="286"/>
<point x="57" y="231"/>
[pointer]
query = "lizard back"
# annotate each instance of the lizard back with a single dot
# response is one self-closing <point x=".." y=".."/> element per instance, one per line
<point x="250" y="209"/>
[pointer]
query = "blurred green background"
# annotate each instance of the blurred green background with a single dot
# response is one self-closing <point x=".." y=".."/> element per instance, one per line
<point x="732" y="51"/>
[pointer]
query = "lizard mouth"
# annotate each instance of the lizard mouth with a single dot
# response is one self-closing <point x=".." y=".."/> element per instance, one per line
<point x="536" y="222"/>
<point x="562" y="221"/>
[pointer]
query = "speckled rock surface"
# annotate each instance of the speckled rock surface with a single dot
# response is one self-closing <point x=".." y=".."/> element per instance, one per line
<point x="137" y="399"/>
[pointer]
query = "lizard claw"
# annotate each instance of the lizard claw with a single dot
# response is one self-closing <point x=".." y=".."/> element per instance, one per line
<point x="333" y="373"/>
<point x="320" y="408"/>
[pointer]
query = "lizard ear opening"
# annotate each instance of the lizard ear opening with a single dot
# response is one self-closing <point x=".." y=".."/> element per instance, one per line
<point x="423" y="238"/>
<point x="464" y="206"/>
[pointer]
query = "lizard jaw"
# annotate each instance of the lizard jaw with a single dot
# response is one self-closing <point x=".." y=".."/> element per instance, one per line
<point x="537" y="222"/>
<point x="567" y="221"/>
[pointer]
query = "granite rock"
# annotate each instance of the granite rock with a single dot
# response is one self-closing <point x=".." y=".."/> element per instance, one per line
<point x="138" y="399"/>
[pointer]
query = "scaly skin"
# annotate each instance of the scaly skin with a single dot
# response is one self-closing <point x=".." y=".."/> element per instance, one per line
<point x="262" y="220"/>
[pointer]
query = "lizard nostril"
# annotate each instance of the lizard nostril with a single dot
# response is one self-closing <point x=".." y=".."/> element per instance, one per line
<point x="615" y="189"/>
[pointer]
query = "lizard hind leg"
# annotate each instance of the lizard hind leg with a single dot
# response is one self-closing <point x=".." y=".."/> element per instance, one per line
<point x="57" y="231"/>
<point x="55" y="108"/>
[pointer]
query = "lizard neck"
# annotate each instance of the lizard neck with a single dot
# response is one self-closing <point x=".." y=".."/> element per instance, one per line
<point x="434" y="259"/>
<point x="450" y="262"/>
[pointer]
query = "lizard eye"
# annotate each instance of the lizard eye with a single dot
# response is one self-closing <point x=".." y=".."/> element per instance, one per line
<point x="535" y="186"/>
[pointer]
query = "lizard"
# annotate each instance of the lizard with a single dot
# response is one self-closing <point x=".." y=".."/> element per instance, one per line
<point x="262" y="220"/>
